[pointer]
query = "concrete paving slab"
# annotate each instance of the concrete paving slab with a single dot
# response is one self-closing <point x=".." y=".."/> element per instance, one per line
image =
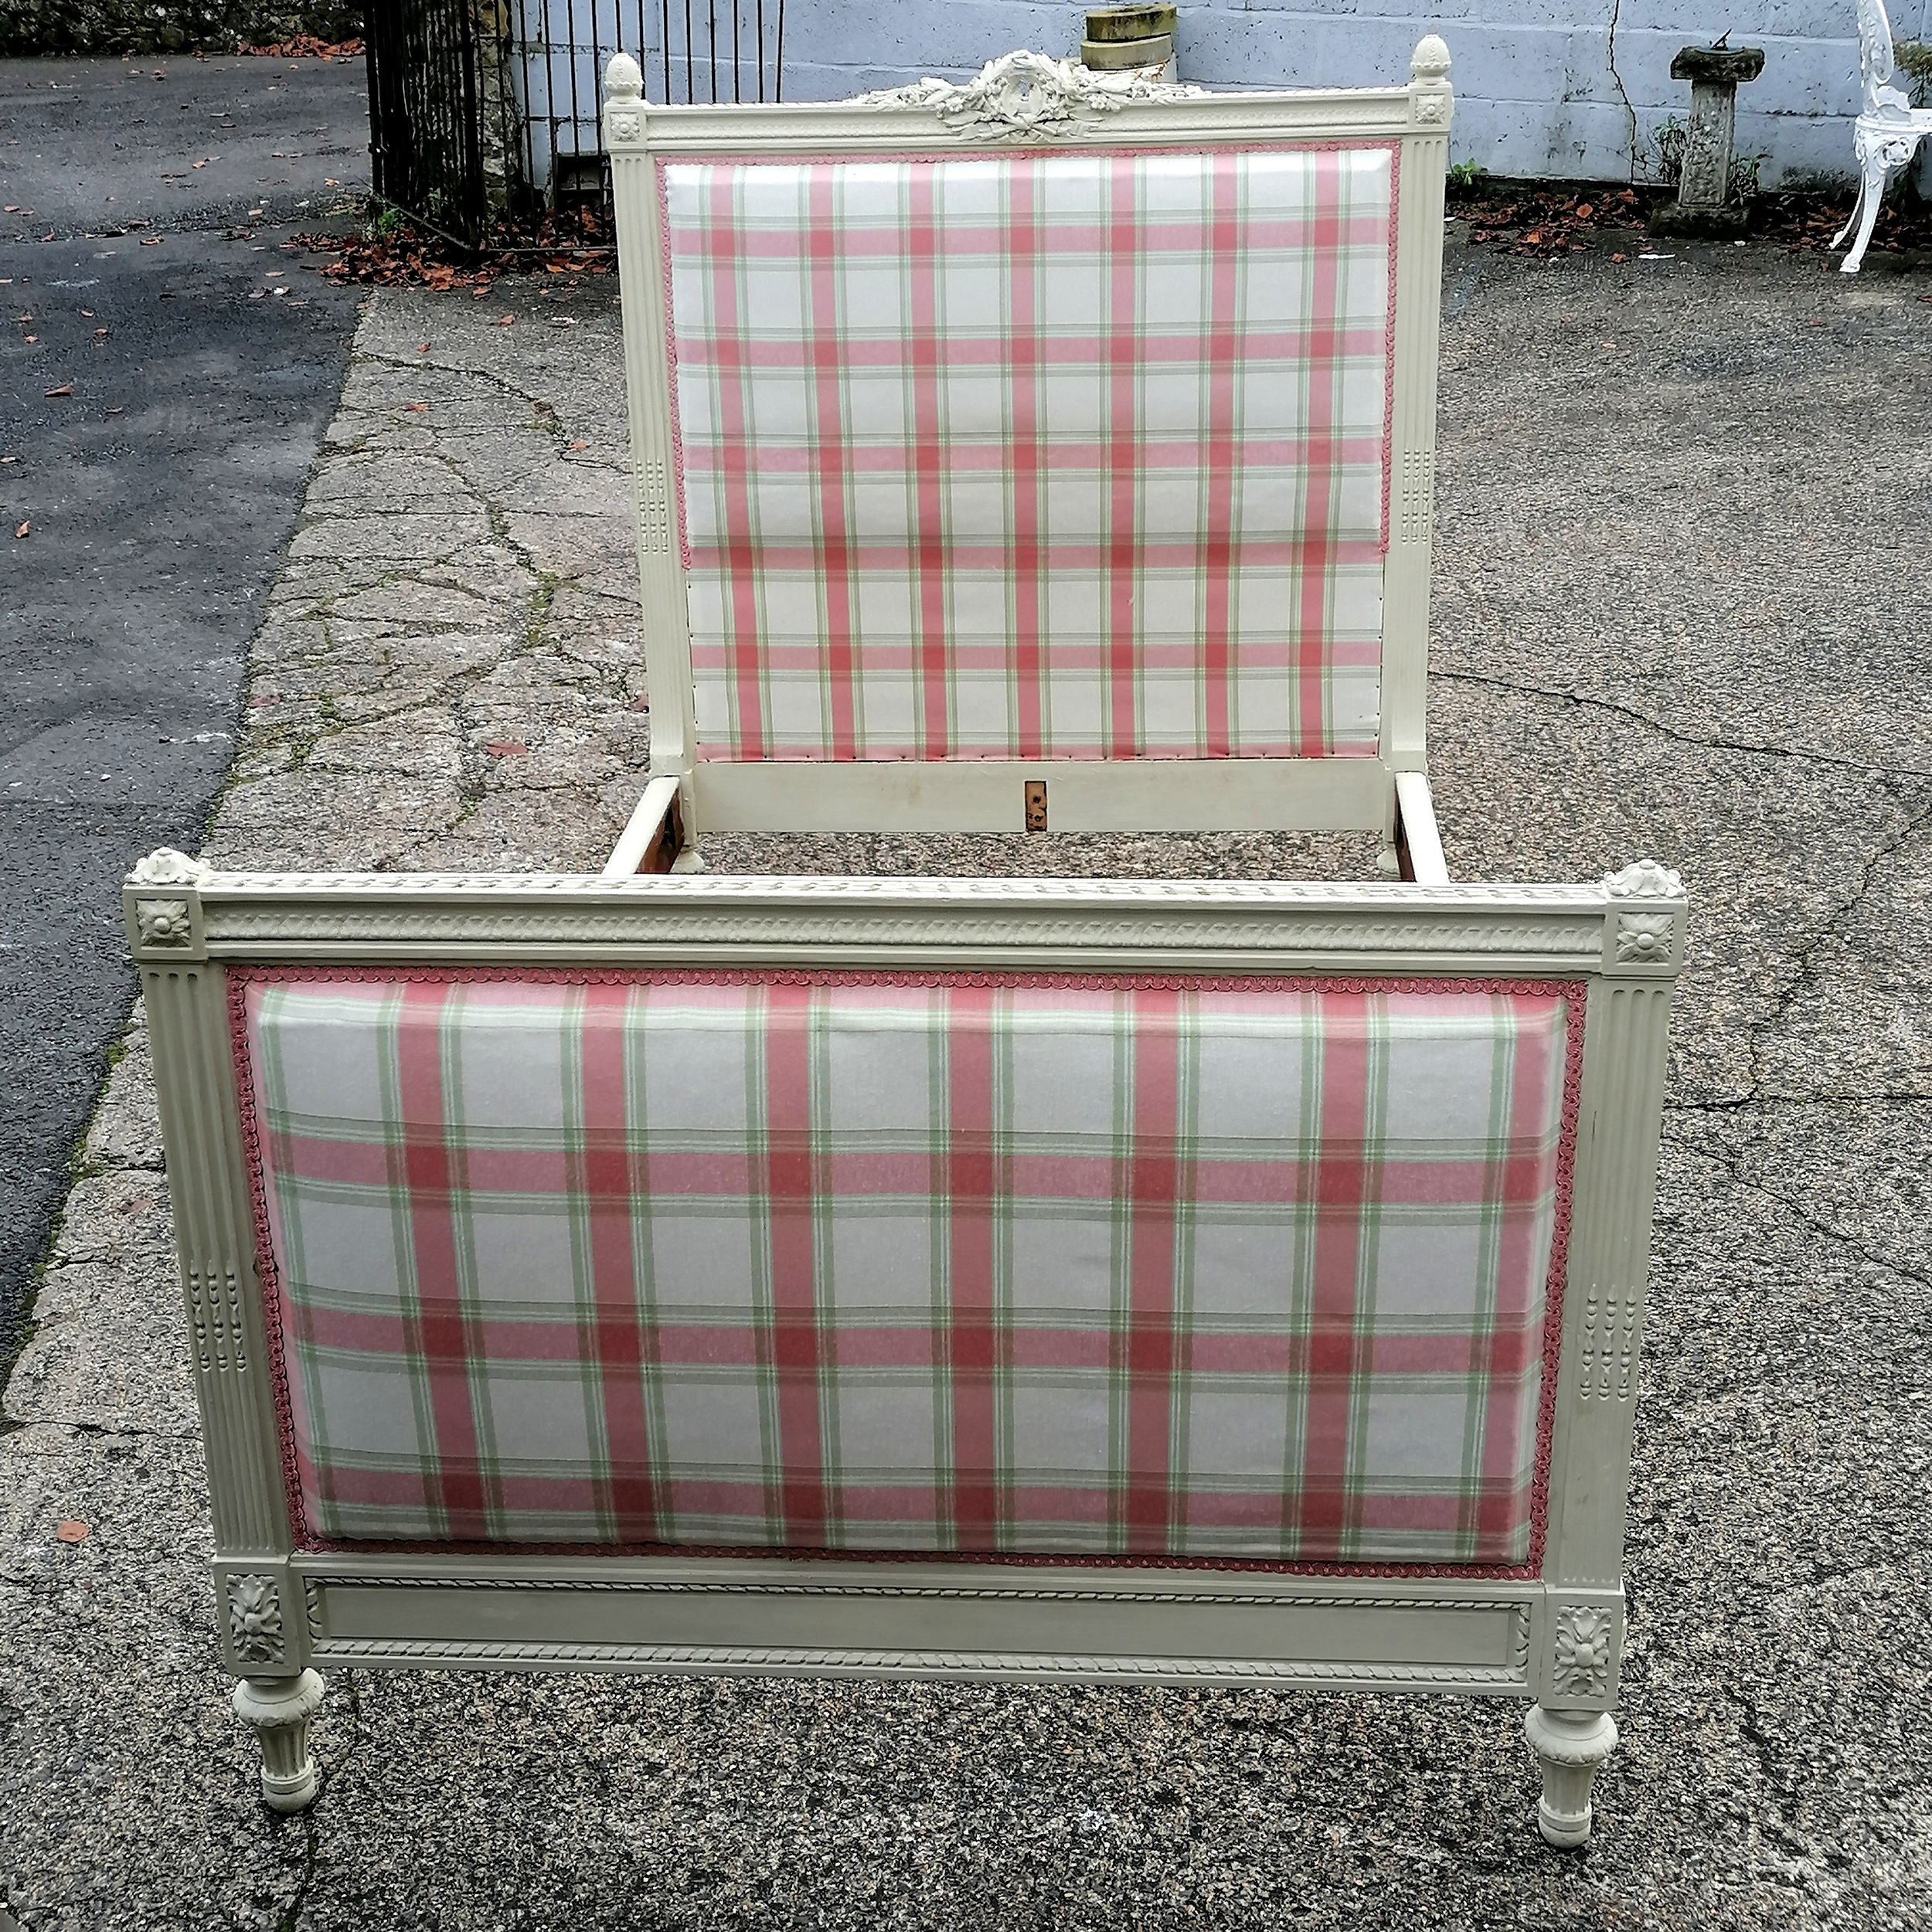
<point x="1673" y="617"/>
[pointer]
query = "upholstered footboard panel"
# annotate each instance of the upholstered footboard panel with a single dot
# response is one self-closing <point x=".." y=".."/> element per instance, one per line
<point x="1019" y="1280"/>
<point x="1171" y="1267"/>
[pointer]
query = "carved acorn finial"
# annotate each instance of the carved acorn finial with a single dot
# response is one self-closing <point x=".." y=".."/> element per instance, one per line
<point x="1429" y="62"/>
<point x="623" y="78"/>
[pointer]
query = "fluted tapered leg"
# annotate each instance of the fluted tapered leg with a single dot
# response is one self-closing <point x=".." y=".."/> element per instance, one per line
<point x="1570" y="1745"/>
<point x="280" y="1708"/>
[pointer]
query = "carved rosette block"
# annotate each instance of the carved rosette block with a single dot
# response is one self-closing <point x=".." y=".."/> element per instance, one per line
<point x="1570" y="1745"/>
<point x="1584" y="1650"/>
<point x="163" y="922"/>
<point x="279" y="1709"/>
<point x="166" y="923"/>
<point x="1645" y="938"/>
<point x="255" y="1631"/>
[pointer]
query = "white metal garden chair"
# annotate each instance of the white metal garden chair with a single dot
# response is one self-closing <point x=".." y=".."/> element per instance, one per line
<point x="1887" y="133"/>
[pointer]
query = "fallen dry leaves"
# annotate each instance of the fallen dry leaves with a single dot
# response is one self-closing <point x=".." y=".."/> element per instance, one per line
<point x="1524" y="219"/>
<point x="25" y="530"/>
<point x="576" y="241"/>
<point x="1552" y="219"/>
<point x="307" y="46"/>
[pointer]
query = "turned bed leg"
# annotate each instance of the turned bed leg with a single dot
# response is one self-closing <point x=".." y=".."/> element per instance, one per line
<point x="280" y="1708"/>
<point x="1570" y="1745"/>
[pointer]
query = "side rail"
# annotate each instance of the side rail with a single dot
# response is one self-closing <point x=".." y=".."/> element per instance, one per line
<point x="1074" y="1076"/>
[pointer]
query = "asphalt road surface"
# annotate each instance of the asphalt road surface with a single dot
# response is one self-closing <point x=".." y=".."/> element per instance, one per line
<point x="167" y="370"/>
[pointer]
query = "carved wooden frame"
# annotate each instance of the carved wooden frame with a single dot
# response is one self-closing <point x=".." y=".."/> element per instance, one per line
<point x="1061" y="106"/>
<point x="1555" y="1638"/>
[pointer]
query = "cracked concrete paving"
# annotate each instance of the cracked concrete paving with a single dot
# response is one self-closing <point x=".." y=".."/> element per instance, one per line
<point x="1681" y="609"/>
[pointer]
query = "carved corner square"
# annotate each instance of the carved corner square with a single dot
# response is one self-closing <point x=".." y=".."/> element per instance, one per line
<point x="164" y="924"/>
<point x="1638" y="940"/>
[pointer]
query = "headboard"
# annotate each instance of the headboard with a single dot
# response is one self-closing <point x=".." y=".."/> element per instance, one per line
<point x="975" y="445"/>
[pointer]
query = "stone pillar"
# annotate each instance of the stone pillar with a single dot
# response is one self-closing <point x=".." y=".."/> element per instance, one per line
<point x="1703" y="206"/>
<point x="1119" y="38"/>
<point x="502" y="119"/>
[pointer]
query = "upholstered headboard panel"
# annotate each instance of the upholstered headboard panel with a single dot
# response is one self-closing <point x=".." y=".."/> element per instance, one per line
<point x="1247" y="1270"/>
<point x="1078" y="455"/>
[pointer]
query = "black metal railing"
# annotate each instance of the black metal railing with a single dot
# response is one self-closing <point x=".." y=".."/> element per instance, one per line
<point x="462" y="115"/>
<point x="425" y="122"/>
<point x="690" y="50"/>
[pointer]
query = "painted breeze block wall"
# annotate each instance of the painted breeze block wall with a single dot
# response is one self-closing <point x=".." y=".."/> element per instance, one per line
<point x="1542" y="89"/>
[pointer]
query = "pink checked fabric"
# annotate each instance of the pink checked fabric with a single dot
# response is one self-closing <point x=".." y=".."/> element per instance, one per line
<point x="1036" y="456"/>
<point x="1251" y="1270"/>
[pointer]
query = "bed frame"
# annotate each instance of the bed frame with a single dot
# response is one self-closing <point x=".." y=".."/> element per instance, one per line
<point x="338" y="1550"/>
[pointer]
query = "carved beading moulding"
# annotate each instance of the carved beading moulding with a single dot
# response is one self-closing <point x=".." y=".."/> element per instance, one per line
<point x="995" y="1665"/>
<point x="241" y="915"/>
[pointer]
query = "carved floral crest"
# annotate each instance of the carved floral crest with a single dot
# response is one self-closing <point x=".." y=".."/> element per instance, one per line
<point x="1644" y="878"/>
<point x="255" y="1617"/>
<point x="1025" y="96"/>
<point x="167" y="867"/>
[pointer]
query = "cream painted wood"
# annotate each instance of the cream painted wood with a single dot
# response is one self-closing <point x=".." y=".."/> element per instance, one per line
<point x="880" y="797"/>
<point x="279" y="1709"/>
<point x="1411" y="453"/>
<point x="627" y="854"/>
<point x="1071" y="924"/>
<point x="1082" y="794"/>
<point x="1555" y="1638"/>
<point x="1570" y="1747"/>
<point x="667" y="639"/>
<point x="215" y="1251"/>
<point x="1418" y="814"/>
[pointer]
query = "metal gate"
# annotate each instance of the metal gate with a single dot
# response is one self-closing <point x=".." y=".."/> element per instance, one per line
<point x="462" y="113"/>
<point x="425" y="114"/>
<point x="690" y="50"/>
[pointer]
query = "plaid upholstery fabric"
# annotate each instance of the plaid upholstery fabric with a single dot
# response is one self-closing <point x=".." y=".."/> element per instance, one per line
<point x="1061" y="456"/>
<point x="1244" y="1270"/>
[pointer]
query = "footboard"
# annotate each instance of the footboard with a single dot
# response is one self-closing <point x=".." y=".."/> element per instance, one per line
<point x="1022" y="1279"/>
